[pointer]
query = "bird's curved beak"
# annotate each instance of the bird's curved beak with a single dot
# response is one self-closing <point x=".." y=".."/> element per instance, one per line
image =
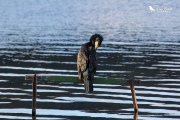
<point x="96" y="44"/>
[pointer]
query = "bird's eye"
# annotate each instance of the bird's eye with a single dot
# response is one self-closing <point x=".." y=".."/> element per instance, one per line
<point x="97" y="39"/>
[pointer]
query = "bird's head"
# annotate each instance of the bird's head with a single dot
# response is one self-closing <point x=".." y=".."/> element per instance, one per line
<point x="96" y="40"/>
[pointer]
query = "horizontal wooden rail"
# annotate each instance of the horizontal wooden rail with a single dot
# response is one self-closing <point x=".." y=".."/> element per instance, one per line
<point x="35" y="78"/>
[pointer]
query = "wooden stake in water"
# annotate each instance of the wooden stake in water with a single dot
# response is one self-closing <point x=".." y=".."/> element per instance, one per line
<point x="34" y="79"/>
<point x="132" y="82"/>
<point x="34" y="87"/>
<point x="135" y="115"/>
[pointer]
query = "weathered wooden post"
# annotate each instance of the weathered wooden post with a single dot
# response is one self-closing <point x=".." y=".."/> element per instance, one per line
<point x="34" y="87"/>
<point x="131" y="81"/>
<point x="34" y="79"/>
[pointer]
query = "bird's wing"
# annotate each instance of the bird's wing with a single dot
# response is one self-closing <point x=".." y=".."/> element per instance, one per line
<point x="93" y="60"/>
<point x="82" y="59"/>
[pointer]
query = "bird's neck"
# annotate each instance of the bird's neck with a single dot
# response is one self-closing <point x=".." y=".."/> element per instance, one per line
<point x="91" y="45"/>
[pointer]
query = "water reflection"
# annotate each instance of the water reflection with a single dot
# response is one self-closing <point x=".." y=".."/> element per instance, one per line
<point x="67" y="94"/>
<point x="38" y="38"/>
<point x="54" y="112"/>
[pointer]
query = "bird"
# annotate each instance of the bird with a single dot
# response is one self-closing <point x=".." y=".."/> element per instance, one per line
<point x="87" y="61"/>
<point x="151" y="9"/>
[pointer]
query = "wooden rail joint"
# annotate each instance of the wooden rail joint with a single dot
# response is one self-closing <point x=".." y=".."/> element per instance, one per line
<point x="32" y="77"/>
<point x="131" y="81"/>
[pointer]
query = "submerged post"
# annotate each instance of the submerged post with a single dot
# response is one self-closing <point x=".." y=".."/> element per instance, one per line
<point x="135" y="115"/>
<point x="34" y="79"/>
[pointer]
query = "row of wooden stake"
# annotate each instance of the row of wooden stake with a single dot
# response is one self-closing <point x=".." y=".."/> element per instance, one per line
<point x="35" y="78"/>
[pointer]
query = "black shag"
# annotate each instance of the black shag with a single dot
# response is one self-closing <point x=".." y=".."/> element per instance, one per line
<point x="87" y="61"/>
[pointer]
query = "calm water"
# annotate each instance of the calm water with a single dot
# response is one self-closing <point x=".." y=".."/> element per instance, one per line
<point x="44" y="36"/>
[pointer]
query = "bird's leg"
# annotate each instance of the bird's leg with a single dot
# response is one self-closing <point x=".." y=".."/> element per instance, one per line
<point x="85" y="79"/>
<point x="90" y="82"/>
<point x="88" y="85"/>
<point x="91" y="76"/>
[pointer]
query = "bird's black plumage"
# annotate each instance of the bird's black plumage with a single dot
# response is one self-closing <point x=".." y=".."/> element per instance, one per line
<point x="87" y="61"/>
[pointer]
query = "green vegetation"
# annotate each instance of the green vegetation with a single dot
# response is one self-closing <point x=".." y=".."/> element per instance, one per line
<point x="76" y="80"/>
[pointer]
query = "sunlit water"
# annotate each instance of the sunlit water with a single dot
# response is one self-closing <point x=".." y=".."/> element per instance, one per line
<point x="44" y="37"/>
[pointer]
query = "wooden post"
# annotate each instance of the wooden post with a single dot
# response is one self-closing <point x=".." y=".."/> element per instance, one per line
<point x="135" y="115"/>
<point x="34" y="87"/>
<point x="135" y="105"/>
<point x="34" y="79"/>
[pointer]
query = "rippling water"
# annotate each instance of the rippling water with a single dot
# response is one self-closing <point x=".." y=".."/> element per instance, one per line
<point x="44" y="37"/>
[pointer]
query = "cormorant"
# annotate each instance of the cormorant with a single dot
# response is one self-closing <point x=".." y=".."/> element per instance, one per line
<point x="87" y="62"/>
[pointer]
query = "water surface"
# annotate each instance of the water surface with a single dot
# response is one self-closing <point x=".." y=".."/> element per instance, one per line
<point x="43" y="37"/>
